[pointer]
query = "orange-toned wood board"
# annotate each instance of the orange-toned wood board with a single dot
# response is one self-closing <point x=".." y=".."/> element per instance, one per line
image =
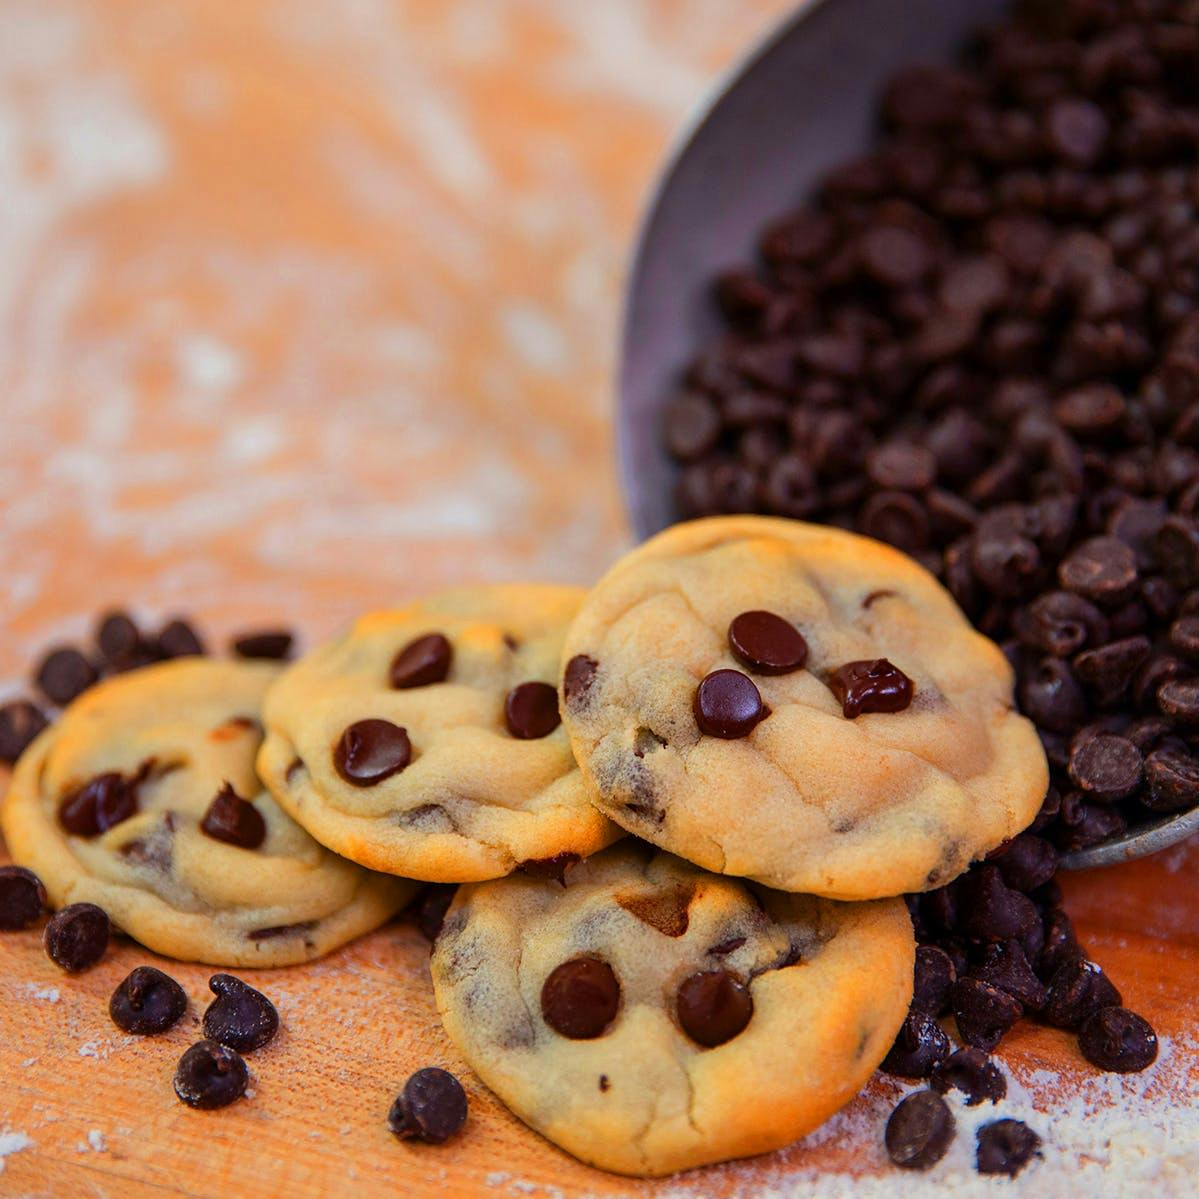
<point x="310" y="307"/>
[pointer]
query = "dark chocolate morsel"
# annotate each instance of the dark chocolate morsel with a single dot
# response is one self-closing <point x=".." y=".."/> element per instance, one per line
<point x="870" y="686"/>
<point x="431" y="1107"/>
<point x="370" y="751"/>
<point x="20" y="723"/>
<point x="577" y="678"/>
<point x="531" y="711"/>
<point x="920" y="1047"/>
<point x="919" y="1131"/>
<point x="22" y="898"/>
<point x="973" y="1073"/>
<point x="1006" y="1147"/>
<point x="64" y="674"/>
<point x="1113" y="1038"/>
<point x="239" y="1016"/>
<point x="147" y="1002"/>
<point x="210" y="1075"/>
<point x="580" y="998"/>
<point x="269" y="644"/>
<point x="234" y="820"/>
<point x="422" y="662"/>
<point x="766" y="643"/>
<point x="178" y="639"/>
<point x="1077" y="988"/>
<point x="728" y="705"/>
<point x="713" y="1007"/>
<point x="77" y="937"/>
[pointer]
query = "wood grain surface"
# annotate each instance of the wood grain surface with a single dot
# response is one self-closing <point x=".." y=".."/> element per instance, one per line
<point x="309" y="307"/>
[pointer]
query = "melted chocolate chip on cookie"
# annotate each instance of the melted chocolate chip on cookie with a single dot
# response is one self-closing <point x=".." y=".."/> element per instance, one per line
<point x="101" y="803"/>
<point x="728" y="705"/>
<point x="234" y="820"/>
<point x="713" y="1007"/>
<point x="531" y="711"/>
<point x="422" y="662"/>
<point x="767" y="643"/>
<point x="870" y="686"/>
<point x="580" y="998"/>
<point x="370" y="751"/>
<point x="578" y="677"/>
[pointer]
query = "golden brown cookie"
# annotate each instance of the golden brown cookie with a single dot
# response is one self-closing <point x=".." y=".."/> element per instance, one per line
<point x="428" y="742"/>
<point x="648" y="1016"/>
<point x="797" y="705"/>
<point x="143" y="799"/>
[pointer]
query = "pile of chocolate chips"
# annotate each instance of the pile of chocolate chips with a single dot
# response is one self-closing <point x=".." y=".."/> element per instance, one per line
<point x="65" y="672"/>
<point x="980" y="343"/>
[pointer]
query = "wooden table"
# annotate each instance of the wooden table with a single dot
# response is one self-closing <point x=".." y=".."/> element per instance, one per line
<point x="307" y="308"/>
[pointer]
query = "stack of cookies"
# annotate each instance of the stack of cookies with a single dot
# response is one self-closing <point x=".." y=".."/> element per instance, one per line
<point x="683" y="809"/>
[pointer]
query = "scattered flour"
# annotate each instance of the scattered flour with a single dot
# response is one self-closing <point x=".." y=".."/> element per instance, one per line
<point x="12" y="1142"/>
<point x="50" y="994"/>
<point x="97" y="1140"/>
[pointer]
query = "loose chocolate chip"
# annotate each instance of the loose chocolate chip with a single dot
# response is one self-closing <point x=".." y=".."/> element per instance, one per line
<point x="64" y="674"/>
<point x="989" y="910"/>
<point x="580" y="998"/>
<point x="1102" y="569"/>
<point x="370" y="751"/>
<point x="1179" y="699"/>
<point x="1051" y="696"/>
<point x="577" y="679"/>
<point x="239" y="1016"/>
<point x="1078" y="988"/>
<point x="22" y="898"/>
<point x="422" y="662"/>
<point x="983" y="1012"/>
<point x="431" y="1107"/>
<point x="1172" y="776"/>
<point x="1026" y="862"/>
<point x="1006" y="1147"/>
<point x="210" y="1075"/>
<point x="920" y="1047"/>
<point x="531" y="711"/>
<point x="1076" y="130"/>
<point x="271" y="644"/>
<point x="1113" y="1038"/>
<point x="1108" y="669"/>
<point x="728" y="705"/>
<point x="935" y="976"/>
<point x="713" y="1007"/>
<point x="178" y="639"/>
<point x="1005" y="965"/>
<point x="1060" y="624"/>
<point x="234" y="820"/>
<point x="1106" y="767"/>
<point x="20" y="723"/>
<point x="767" y="643"/>
<point x="973" y="1073"/>
<point x="432" y="906"/>
<point x="691" y="426"/>
<point x="98" y="805"/>
<point x="919" y="1131"/>
<point x="117" y="636"/>
<point x="147" y="1002"/>
<point x="870" y="686"/>
<point x="77" y="937"/>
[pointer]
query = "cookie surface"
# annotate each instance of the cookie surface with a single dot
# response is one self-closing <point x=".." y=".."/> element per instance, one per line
<point x="427" y="741"/>
<point x="648" y="1016"/>
<point x="877" y="753"/>
<point x="134" y="767"/>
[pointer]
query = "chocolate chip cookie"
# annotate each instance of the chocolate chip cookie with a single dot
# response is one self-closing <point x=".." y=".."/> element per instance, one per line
<point x="796" y="705"/>
<point x="143" y="799"/>
<point x="648" y="1016"/>
<point x="427" y="741"/>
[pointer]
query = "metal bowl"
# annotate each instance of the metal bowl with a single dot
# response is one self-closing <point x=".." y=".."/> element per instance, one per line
<point x="799" y="103"/>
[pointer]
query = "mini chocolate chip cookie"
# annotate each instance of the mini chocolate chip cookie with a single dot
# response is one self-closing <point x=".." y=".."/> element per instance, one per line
<point x="427" y="741"/>
<point x="648" y="1016"/>
<point x="143" y="799"/>
<point x="796" y="705"/>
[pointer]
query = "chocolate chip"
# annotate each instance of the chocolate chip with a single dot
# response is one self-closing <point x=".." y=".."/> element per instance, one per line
<point x="64" y="674"/>
<point x="271" y="644"/>
<point x="1076" y="130"/>
<point x="98" y="805"/>
<point x="919" y="1131"/>
<point x="1060" y="624"/>
<point x="1108" y="670"/>
<point x="1051" y="696"/>
<point x="234" y="820"/>
<point x="988" y="909"/>
<point x="973" y="1073"/>
<point x="728" y="705"/>
<point x="432" y="906"/>
<point x="983" y="1012"/>
<point x="1026" y="862"/>
<point x="580" y="998"/>
<point x="117" y="636"/>
<point x="713" y="1007"/>
<point x="766" y="643"/>
<point x="1106" y="767"/>
<point x="691" y="426"/>
<point x="1113" y="1038"/>
<point x="147" y="1001"/>
<point x="77" y="937"/>
<point x="1005" y="965"/>
<point x="1102" y="569"/>
<point x="666" y="910"/>
<point x="935" y="976"/>
<point x="177" y="639"/>
<point x="531" y="711"/>
<point x="422" y="662"/>
<point x="870" y="686"/>
<point x="1006" y="1147"/>
<point x="430" y="1108"/>
<point x="20" y="722"/>
<point x="22" y="898"/>
<point x="1078" y="988"/>
<point x="370" y="751"/>
<point x="577" y="679"/>
<point x="920" y="1047"/>
<point x="1179" y="699"/>
<point x="210" y="1075"/>
<point x="239" y="1016"/>
<point x="1172" y="776"/>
